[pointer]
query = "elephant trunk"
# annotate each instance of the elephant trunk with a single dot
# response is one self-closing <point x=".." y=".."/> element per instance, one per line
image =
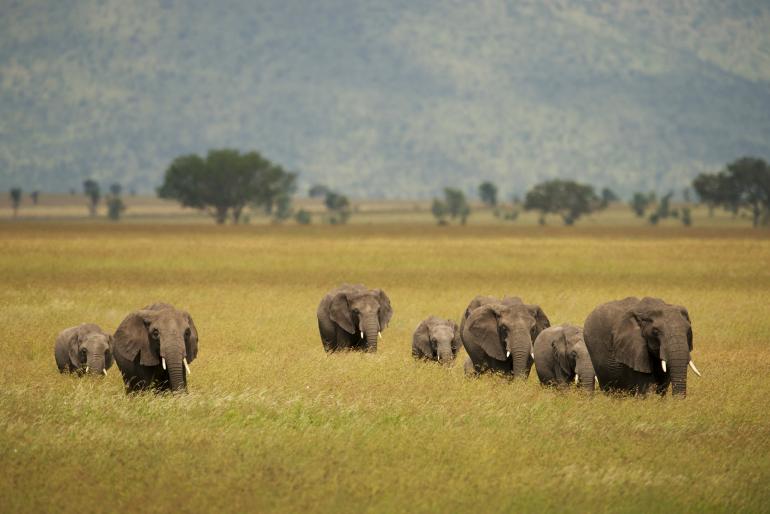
<point x="444" y="352"/>
<point x="175" y="367"/>
<point x="678" y="355"/>
<point x="586" y="373"/>
<point x="95" y="364"/>
<point x="371" y="326"/>
<point x="519" y="344"/>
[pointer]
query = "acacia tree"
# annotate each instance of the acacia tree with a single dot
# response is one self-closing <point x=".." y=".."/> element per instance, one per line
<point x="567" y="198"/>
<point x="743" y="184"/>
<point x="338" y="206"/>
<point x="456" y="204"/>
<point x="639" y="203"/>
<point x="608" y="196"/>
<point x="115" y="205"/>
<point x="15" y="194"/>
<point x="93" y="193"/>
<point x="439" y="211"/>
<point x="488" y="193"/>
<point x="226" y="181"/>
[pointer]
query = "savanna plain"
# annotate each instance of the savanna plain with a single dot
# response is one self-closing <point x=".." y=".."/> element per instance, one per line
<point x="272" y="423"/>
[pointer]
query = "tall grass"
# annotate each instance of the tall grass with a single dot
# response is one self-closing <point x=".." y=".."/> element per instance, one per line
<point x="271" y="423"/>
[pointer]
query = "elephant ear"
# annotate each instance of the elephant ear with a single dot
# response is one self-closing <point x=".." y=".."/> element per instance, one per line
<point x="386" y="311"/>
<point x="457" y="340"/>
<point x="339" y="312"/>
<point x="686" y="315"/>
<point x="73" y="346"/>
<point x="111" y="348"/>
<point x="482" y="329"/>
<point x="629" y="345"/>
<point x="560" y="358"/>
<point x="191" y="343"/>
<point x="421" y="341"/>
<point x="541" y="320"/>
<point x="132" y="337"/>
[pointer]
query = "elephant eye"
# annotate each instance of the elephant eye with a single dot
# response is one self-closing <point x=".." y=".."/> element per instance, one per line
<point x="187" y="333"/>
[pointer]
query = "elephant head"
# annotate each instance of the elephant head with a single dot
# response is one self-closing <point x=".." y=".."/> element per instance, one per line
<point x="561" y="356"/>
<point x="362" y="311"/>
<point x="505" y="331"/>
<point x="160" y="335"/>
<point x="656" y="337"/>
<point x="89" y="349"/>
<point x="437" y="339"/>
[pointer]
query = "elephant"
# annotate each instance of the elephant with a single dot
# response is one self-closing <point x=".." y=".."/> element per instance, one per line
<point x="352" y="317"/>
<point x="498" y="335"/>
<point x="83" y="349"/>
<point x="436" y="339"/>
<point x="154" y="347"/>
<point x="561" y="356"/>
<point x="637" y="345"/>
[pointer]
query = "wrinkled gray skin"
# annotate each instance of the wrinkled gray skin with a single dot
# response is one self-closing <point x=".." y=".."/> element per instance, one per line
<point x="561" y="356"/>
<point x="498" y="335"/>
<point x="83" y="349"/>
<point x="351" y="316"/>
<point x="436" y="339"/>
<point x="145" y="337"/>
<point x="627" y="339"/>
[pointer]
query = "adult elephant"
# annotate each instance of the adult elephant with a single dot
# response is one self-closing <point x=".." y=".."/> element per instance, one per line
<point x="436" y="339"/>
<point x="83" y="349"/>
<point x="561" y="356"/>
<point x="638" y="345"/>
<point x="498" y="335"/>
<point x="154" y="347"/>
<point x="351" y="317"/>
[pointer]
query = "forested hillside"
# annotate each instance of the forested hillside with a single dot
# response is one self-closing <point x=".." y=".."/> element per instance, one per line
<point x="385" y="99"/>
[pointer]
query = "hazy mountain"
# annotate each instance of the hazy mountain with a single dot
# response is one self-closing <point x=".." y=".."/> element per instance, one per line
<point x="388" y="99"/>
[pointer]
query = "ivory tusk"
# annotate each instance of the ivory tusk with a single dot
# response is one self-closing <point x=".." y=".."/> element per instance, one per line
<point x="163" y="362"/>
<point x="362" y="334"/>
<point x="186" y="366"/>
<point x="532" y="355"/>
<point x="596" y="379"/>
<point x="379" y="335"/>
<point x="692" y="365"/>
<point x="507" y="354"/>
<point x="105" y="372"/>
<point x="663" y="363"/>
<point x="87" y="368"/>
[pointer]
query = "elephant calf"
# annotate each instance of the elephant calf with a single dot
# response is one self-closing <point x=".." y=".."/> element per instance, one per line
<point x="83" y="349"/>
<point x="436" y="339"/>
<point x="154" y="347"/>
<point x="561" y="356"/>
<point x="351" y="317"/>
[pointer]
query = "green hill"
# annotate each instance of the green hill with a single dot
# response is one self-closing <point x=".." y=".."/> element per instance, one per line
<point x="388" y="99"/>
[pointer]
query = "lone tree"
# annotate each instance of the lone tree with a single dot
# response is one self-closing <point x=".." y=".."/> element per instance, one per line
<point x="488" y="193"/>
<point x="15" y="194"/>
<point x="567" y="198"/>
<point x="608" y="196"/>
<point x="639" y="203"/>
<point x="743" y="184"/>
<point x="115" y="205"/>
<point x="226" y="181"/>
<point x="338" y="206"/>
<point x="439" y="210"/>
<point x="457" y="205"/>
<point x="93" y="193"/>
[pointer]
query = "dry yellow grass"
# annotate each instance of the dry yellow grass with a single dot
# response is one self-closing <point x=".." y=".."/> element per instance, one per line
<point x="271" y="423"/>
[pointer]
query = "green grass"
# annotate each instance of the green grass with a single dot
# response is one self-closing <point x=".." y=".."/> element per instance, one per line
<point x="271" y="423"/>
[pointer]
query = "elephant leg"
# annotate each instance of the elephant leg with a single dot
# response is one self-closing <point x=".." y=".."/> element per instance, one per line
<point x="343" y="340"/>
<point x="469" y="368"/>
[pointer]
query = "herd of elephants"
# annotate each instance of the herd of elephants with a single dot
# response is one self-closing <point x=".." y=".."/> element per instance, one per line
<point x="629" y="345"/>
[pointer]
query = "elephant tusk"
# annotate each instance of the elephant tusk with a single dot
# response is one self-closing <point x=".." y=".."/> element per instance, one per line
<point x="507" y="354"/>
<point x="596" y="379"/>
<point x="87" y="368"/>
<point x="186" y="366"/>
<point x="362" y="334"/>
<point x="379" y="335"/>
<point x="105" y="372"/>
<point x="163" y="361"/>
<point x="532" y="355"/>
<point x="663" y="363"/>
<point x="576" y="379"/>
<point x="692" y="365"/>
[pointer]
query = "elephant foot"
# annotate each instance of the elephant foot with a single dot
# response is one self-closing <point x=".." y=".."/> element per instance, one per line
<point x="470" y="369"/>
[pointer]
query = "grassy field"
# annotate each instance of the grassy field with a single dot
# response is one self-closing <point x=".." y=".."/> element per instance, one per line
<point x="271" y="423"/>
